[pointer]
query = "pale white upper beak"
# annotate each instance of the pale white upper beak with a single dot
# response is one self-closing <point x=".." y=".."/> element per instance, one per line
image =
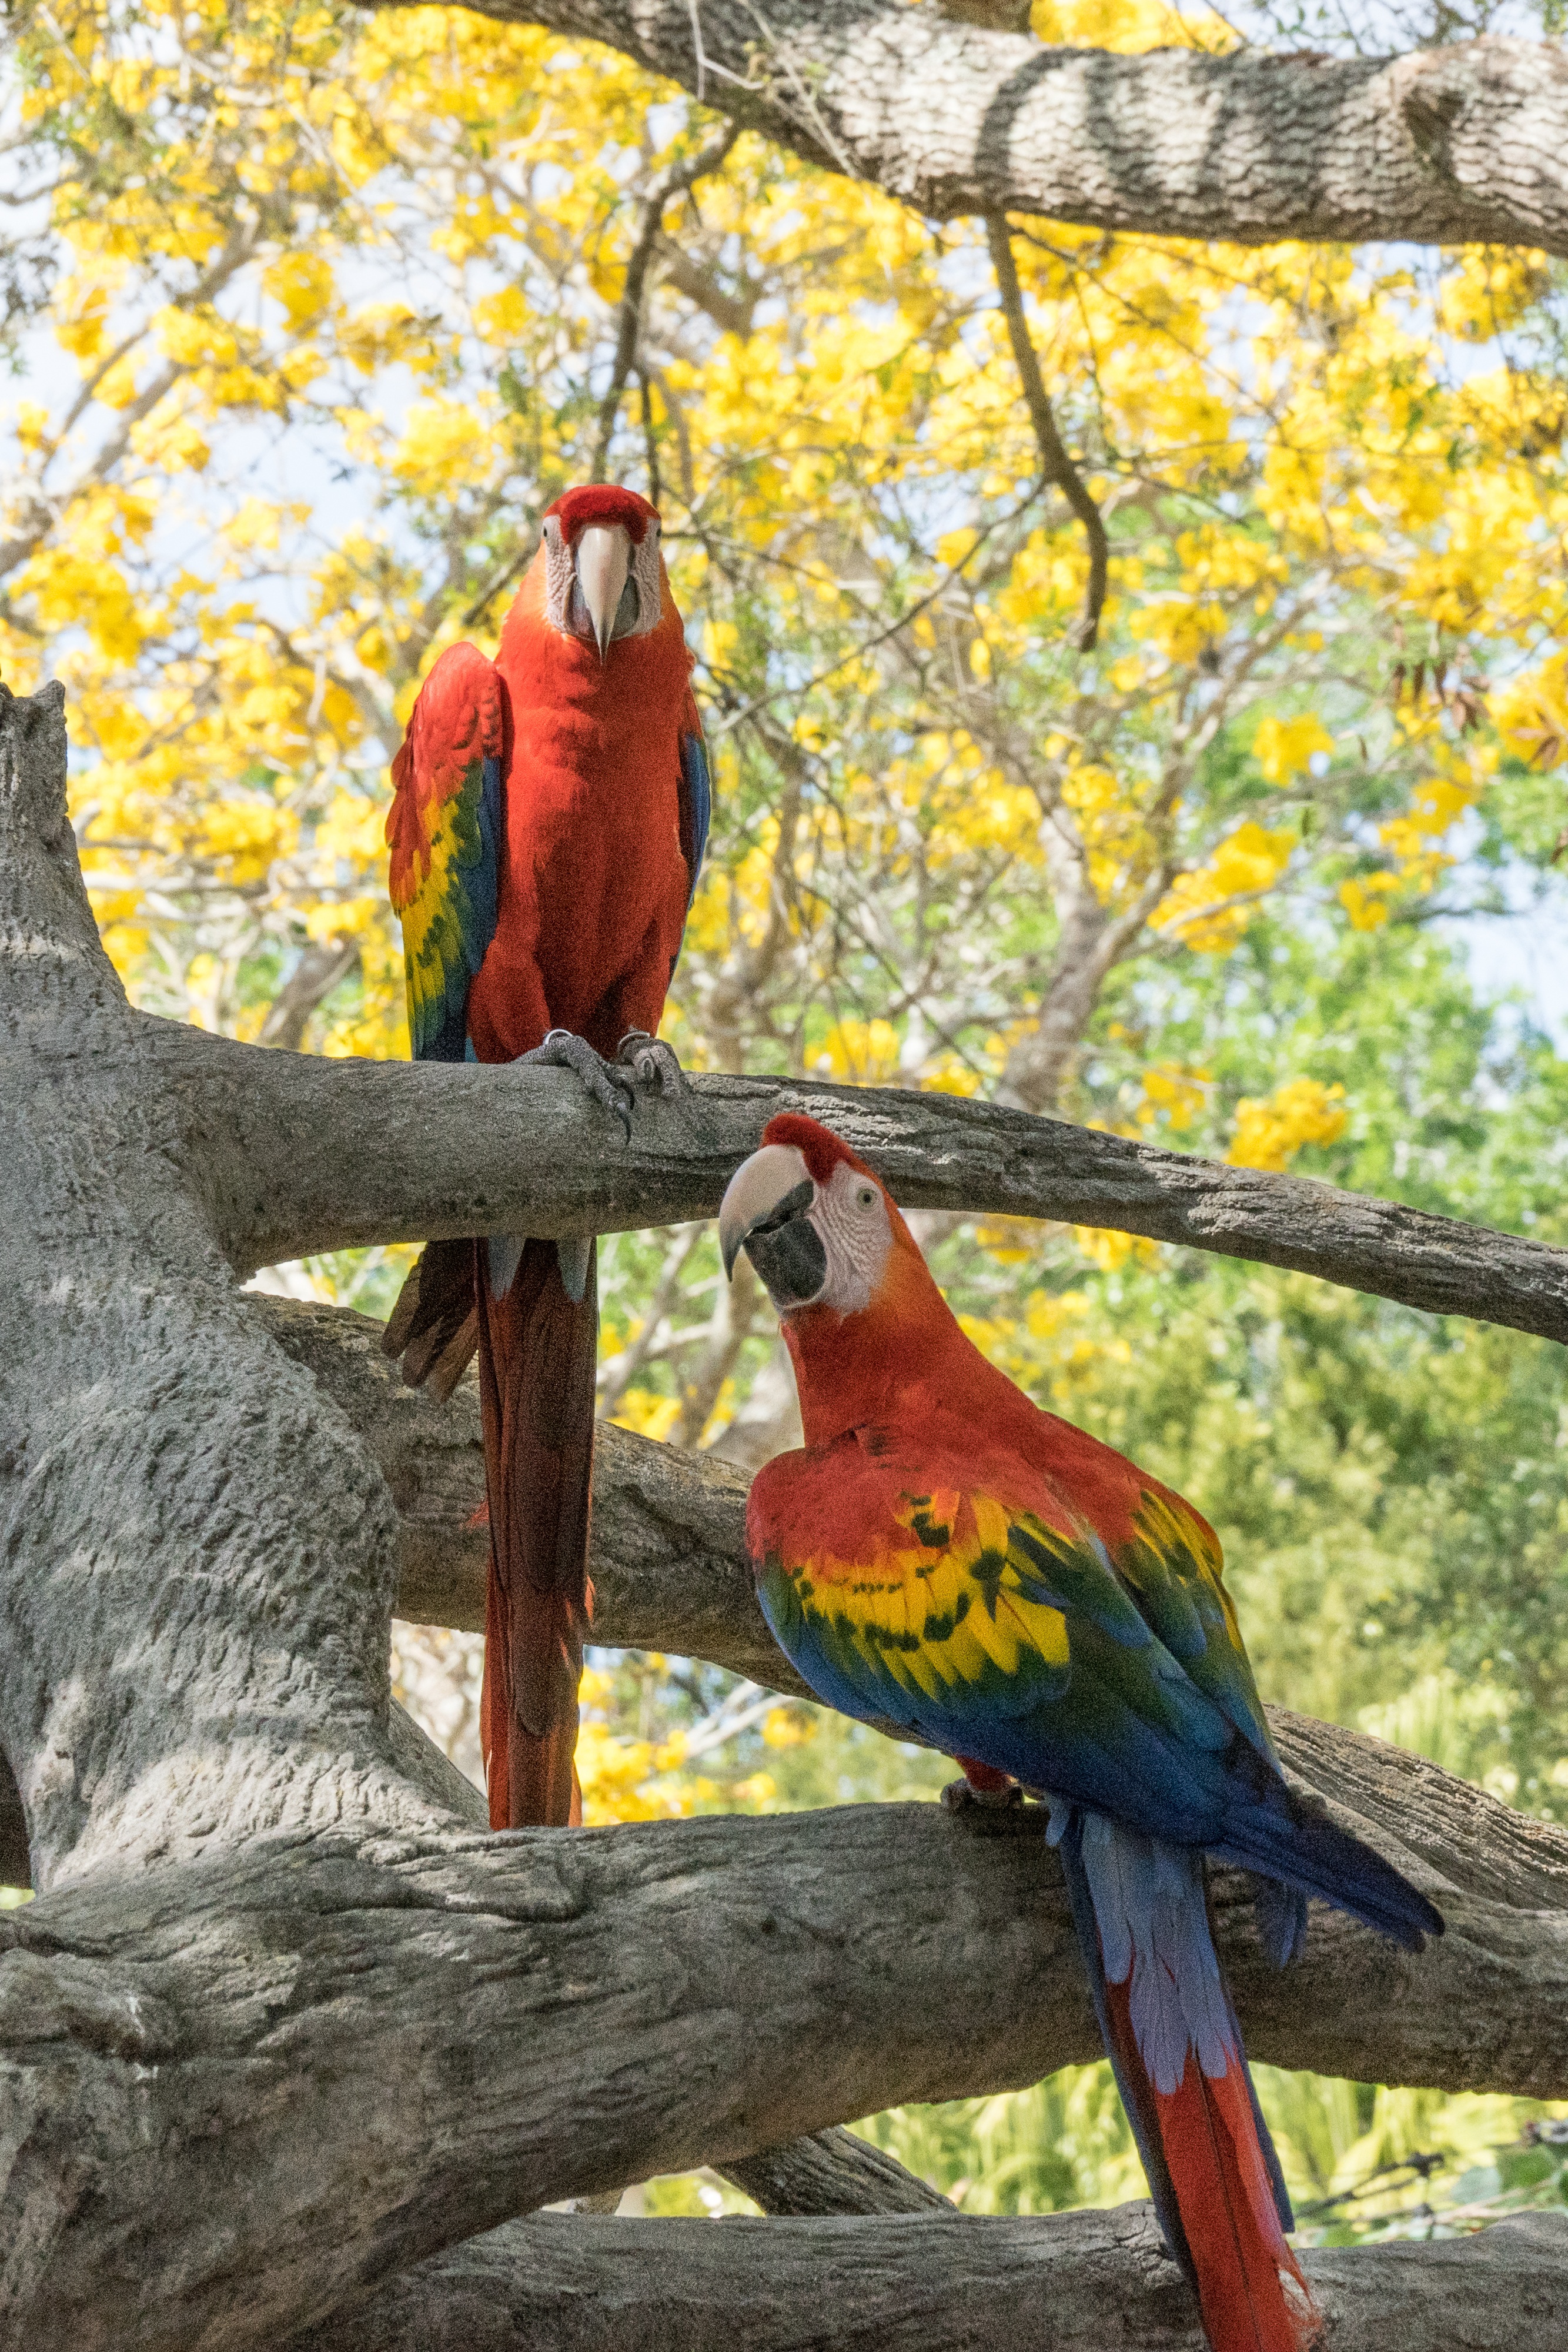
<point x="774" y="1177"/>
<point x="603" y="561"/>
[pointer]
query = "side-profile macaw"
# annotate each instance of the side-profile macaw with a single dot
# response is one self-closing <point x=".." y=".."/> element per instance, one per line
<point x="944" y="1556"/>
<point x="547" y="828"/>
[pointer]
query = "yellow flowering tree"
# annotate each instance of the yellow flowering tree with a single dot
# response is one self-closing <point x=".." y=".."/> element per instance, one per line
<point x="341" y="304"/>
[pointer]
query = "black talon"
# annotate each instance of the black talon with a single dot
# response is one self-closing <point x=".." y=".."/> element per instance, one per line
<point x="602" y="1080"/>
<point x="648" y="1058"/>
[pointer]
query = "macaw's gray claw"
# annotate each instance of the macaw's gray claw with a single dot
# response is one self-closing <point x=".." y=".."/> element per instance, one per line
<point x="649" y="1059"/>
<point x="602" y="1080"/>
<point x="959" y="1795"/>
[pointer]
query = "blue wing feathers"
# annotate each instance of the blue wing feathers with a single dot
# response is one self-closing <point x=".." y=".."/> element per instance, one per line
<point x="696" y="807"/>
<point x="444" y="832"/>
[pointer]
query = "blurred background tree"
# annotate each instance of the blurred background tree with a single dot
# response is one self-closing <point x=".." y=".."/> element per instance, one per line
<point x="1133" y="672"/>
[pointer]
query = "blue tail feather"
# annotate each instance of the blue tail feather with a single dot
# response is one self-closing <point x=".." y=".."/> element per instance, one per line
<point x="1067" y="1833"/>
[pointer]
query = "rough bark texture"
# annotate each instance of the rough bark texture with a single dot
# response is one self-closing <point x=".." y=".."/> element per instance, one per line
<point x="282" y="2023"/>
<point x="670" y="1571"/>
<point x="1443" y="147"/>
<point x="905" y="2285"/>
<point x="290" y="1154"/>
<point x="833" y="2172"/>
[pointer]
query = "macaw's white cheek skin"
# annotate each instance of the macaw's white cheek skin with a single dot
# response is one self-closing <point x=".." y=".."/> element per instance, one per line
<point x="851" y="1214"/>
<point x="813" y="1245"/>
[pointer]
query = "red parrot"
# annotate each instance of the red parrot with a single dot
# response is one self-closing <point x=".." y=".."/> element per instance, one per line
<point x="548" y="816"/>
<point x="944" y="1556"/>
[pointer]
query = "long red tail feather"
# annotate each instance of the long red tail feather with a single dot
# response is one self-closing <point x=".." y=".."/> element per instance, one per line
<point x="1250" y="2286"/>
<point x="537" y="1352"/>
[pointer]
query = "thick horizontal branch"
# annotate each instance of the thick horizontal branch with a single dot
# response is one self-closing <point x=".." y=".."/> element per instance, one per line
<point x="395" y="2041"/>
<point x="296" y="1154"/>
<point x="1442" y="147"/>
<point x="1051" y="2284"/>
<point x="1483" y="2008"/>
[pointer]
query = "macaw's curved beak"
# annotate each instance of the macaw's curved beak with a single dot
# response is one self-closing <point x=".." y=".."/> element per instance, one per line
<point x="603" y="561"/>
<point x="766" y="1212"/>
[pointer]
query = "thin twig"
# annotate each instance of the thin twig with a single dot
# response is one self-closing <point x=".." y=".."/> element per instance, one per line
<point x="502" y="579"/>
<point x="650" y="439"/>
<point x="677" y="181"/>
<point x="868" y="645"/>
<point x="1056" y="466"/>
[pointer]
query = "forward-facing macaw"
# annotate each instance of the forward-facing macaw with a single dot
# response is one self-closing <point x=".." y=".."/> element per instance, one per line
<point x="547" y="829"/>
<point x="944" y="1556"/>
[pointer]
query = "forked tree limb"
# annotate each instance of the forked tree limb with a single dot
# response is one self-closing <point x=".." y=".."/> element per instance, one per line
<point x="1051" y="2284"/>
<point x="1443" y="147"/>
<point x="283" y="2074"/>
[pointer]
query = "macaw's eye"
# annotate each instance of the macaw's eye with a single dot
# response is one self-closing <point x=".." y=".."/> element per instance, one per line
<point x="627" y="611"/>
<point x="866" y="1197"/>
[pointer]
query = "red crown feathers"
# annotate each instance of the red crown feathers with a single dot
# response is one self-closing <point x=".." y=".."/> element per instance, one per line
<point x="602" y="502"/>
<point x="818" y="1147"/>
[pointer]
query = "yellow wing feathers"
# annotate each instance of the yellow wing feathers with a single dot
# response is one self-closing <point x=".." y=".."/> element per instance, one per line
<point x="950" y="1604"/>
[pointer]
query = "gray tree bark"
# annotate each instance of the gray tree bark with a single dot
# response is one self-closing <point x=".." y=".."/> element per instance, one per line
<point x="288" y="1155"/>
<point x="1445" y="147"/>
<point x="283" y="2023"/>
<point x="902" y="2286"/>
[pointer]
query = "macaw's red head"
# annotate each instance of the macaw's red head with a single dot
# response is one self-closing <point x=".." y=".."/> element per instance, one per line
<point x="604" y="577"/>
<point x="819" y="1227"/>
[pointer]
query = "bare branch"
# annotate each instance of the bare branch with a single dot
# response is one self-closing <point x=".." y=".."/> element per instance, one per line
<point x="833" y="2172"/>
<point x="1056" y="467"/>
<point x="1049" y="2285"/>
<point x="322" y="965"/>
<point x="1444" y="147"/>
<point x="677" y="180"/>
<point x="294" y="1155"/>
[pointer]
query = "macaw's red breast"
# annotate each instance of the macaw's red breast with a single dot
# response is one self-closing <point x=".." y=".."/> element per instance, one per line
<point x="594" y="882"/>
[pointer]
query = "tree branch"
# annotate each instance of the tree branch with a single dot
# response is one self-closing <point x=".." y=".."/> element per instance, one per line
<point x="294" y="1154"/>
<point x="833" y="2172"/>
<point x="679" y="180"/>
<point x="281" y="2022"/>
<point x="1444" y="147"/>
<point x="1048" y="2285"/>
<point x="1056" y="467"/>
<point x="322" y="964"/>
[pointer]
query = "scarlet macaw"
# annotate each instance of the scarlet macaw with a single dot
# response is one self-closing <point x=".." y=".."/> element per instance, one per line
<point x="547" y="828"/>
<point x="944" y="1556"/>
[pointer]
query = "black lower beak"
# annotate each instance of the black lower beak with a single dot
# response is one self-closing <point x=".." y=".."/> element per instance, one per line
<point x="787" y="1250"/>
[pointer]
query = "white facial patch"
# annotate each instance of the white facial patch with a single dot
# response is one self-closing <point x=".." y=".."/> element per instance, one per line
<point x="851" y="1215"/>
<point x="560" y="581"/>
<point x="646" y="581"/>
<point x="559" y="570"/>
